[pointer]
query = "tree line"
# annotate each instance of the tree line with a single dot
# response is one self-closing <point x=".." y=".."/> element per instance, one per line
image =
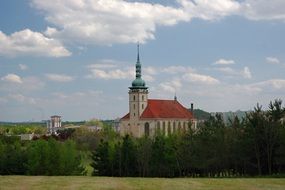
<point x="252" y="146"/>
<point x="39" y="157"/>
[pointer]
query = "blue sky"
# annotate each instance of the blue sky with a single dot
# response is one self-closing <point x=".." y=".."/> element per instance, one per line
<point x="76" y="58"/>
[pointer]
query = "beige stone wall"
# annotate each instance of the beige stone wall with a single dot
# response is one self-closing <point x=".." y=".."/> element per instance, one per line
<point x="137" y="103"/>
<point x="164" y="126"/>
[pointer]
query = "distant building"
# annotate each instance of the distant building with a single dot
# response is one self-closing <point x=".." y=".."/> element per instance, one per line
<point x="148" y="116"/>
<point x="116" y="125"/>
<point x="54" y="124"/>
<point x="27" y="137"/>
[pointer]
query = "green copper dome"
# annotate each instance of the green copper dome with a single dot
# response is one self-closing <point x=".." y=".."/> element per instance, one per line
<point x="138" y="83"/>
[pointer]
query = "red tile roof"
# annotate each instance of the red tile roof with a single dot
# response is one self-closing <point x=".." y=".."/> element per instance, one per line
<point x="164" y="109"/>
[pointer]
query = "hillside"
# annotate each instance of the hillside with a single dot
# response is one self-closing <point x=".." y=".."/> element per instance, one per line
<point x="201" y="114"/>
<point x="204" y="115"/>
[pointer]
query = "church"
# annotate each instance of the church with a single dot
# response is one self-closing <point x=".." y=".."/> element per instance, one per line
<point x="150" y="116"/>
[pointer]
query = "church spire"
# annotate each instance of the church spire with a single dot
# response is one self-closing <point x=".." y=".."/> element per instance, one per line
<point x="138" y="65"/>
<point x="138" y="58"/>
<point x="138" y="83"/>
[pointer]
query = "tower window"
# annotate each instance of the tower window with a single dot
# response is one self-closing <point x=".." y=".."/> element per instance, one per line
<point x="134" y="98"/>
<point x="142" y="106"/>
<point x="142" y="97"/>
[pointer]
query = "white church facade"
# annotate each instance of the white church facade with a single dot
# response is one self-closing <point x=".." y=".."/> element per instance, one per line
<point x="150" y="116"/>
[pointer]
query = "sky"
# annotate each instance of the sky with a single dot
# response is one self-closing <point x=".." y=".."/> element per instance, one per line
<point x="76" y="58"/>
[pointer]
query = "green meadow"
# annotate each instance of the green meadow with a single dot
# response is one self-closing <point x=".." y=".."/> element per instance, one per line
<point x="109" y="183"/>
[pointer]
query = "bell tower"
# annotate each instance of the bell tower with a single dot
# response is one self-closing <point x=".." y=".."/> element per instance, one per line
<point x="138" y="93"/>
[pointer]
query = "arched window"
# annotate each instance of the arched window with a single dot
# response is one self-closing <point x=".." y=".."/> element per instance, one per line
<point x="189" y="124"/>
<point x="179" y="126"/>
<point x="134" y="97"/>
<point x="174" y="126"/>
<point x="142" y="106"/>
<point x="169" y="128"/>
<point x="158" y="126"/>
<point x="142" y="97"/>
<point x="163" y="128"/>
<point x="146" y="129"/>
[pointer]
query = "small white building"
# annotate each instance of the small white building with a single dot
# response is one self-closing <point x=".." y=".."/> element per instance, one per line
<point x="53" y="124"/>
<point x="27" y="137"/>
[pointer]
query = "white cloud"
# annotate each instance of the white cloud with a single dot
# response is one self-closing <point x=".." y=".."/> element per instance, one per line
<point x="177" y="69"/>
<point x="226" y="70"/>
<point x="150" y="70"/>
<point x="263" y="9"/>
<point x="246" y="73"/>
<point x="27" y="42"/>
<point x="112" y="74"/>
<point x="23" y="67"/>
<point x="198" y="78"/>
<point x="273" y="84"/>
<point x="108" y="21"/>
<point x="224" y="62"/>
<point x="148" y="78"/>
<point x="112" y="69"/>
<point x="210" y="9"/>
<point x="27" y="84"/>
<point x="120" y="21"/>
<point x="12" y="78"/>
<point x="3" y="100"/>
<point x="59" y="77"/>
<point x="101" y="66"/>
<point x="106" y="64"/>
<point x="272" y="60"/>
<point x="22" y="99"/>
<point x="173" y="86"/>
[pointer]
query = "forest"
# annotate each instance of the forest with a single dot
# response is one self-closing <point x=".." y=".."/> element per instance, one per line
<point x="251" y="146"/>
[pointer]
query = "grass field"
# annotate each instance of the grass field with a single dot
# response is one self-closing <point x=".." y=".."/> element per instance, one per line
<point x="108" y="183"/>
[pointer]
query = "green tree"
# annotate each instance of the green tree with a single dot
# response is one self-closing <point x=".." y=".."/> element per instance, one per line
<point x="129" y="160"/>
<point x="273" y="131"/>
<point x="101" y="160"/>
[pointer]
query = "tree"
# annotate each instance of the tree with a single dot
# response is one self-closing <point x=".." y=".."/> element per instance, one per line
<point x="272" y="131"/>
<point x="144" y="156"/>
<point x="129" y="160"/>
<point x="101" y="160"/>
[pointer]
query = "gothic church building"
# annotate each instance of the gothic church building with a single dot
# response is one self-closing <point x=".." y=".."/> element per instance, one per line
<point x="150" y="116"/>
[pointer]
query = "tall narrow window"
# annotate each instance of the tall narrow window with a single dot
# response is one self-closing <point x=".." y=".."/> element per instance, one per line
<point x="142" y="97"/>
<point x="142" y="106"/>
<point x="169" y="128"/>
<point x="134" y="97"/>
<point x="146" y="129"/>
<point x="158" y="126"/>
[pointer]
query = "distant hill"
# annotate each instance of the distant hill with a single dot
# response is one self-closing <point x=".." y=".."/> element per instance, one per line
<point x="230" y="115"/>
<point x="201" y="114"/>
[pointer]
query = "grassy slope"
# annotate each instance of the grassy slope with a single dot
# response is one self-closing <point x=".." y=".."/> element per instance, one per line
<point x="40" y="182"/>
